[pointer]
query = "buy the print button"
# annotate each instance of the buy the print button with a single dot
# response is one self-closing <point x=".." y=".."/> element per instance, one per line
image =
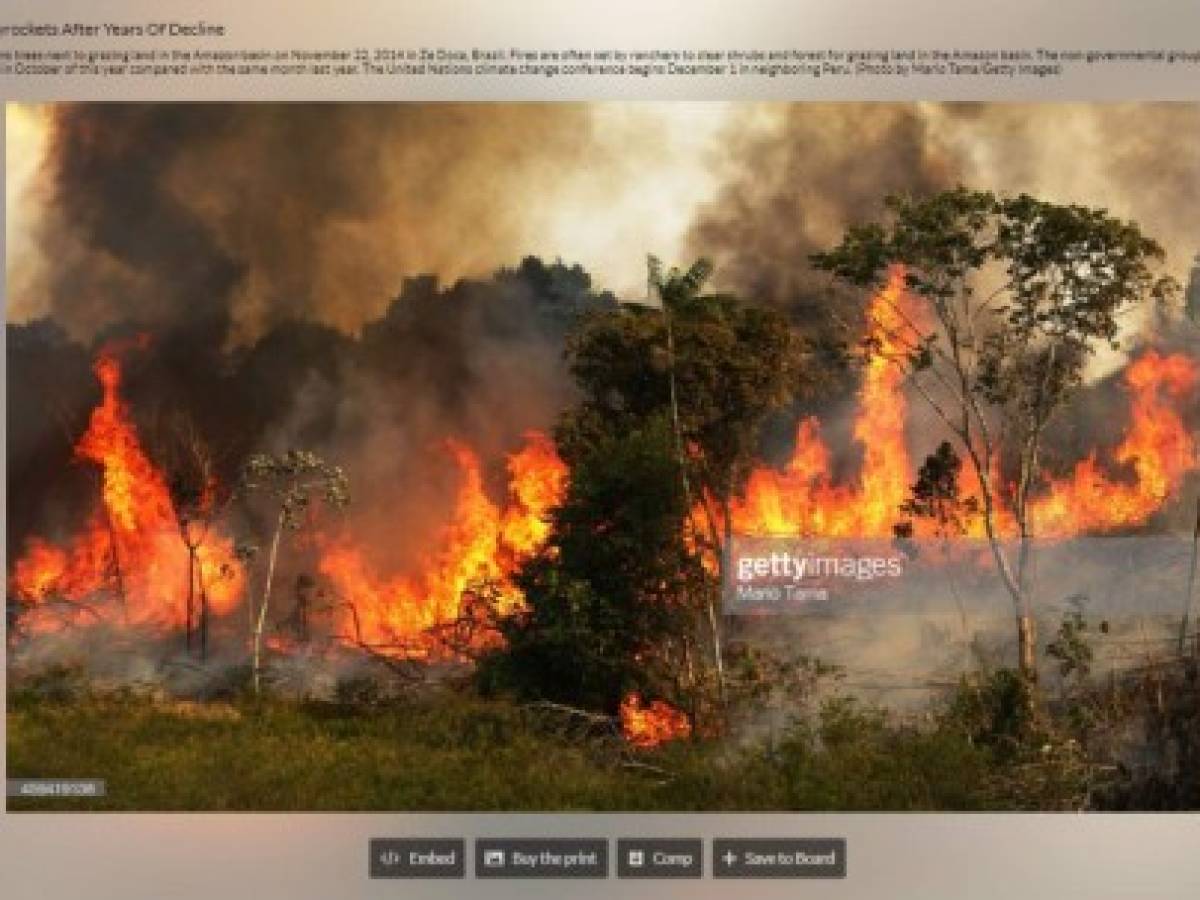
<point x="779" y="858"/>
<point x="541" y="858"/>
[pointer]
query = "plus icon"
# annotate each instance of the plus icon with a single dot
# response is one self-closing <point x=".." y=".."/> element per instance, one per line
<point x="729" y="858"/>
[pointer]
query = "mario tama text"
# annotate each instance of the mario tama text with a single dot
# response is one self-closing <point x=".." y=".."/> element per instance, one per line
<point x="1115" y="577"/>
<point x="787" y="574"/>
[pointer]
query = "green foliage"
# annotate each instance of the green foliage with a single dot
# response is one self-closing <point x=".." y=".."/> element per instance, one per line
<point x="1070" y="646"/>
<point x="442" y="752"/>
<point x="993" y="710"/>
<point x="936" y="495"/>
<point x="734" y="364"/>
<point x="672" y="404"/>
<point x="853" y="757"/>
<point x="445" y="751"/>
<point x="612" y="586"/>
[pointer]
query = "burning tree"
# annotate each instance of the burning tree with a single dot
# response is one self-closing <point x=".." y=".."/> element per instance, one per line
<point x="292" y="480"/>
<point x="610" y="597"/>
<point x="680" y="395"/>
<point x="1019" y="293"/>
<point x="190" y="469"/>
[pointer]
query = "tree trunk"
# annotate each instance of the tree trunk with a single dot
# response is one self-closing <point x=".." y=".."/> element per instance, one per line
<point x="190" y="611"/>
<point x="1026" y="629"/>
<point x="117" y="572"/>
<point x="261" y="621"/>
<point x="1026" y="625"/>
<point x="1189" y="598"/>
<point x="204" y="622"/>
<point x="203" y="615"/>
<point x="714" y="623"/>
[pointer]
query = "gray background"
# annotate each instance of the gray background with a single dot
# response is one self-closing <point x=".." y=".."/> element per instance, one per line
<point x="895" y="856"/>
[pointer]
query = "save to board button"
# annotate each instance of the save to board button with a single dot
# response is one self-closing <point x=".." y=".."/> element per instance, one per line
<point x="779" y="858"/>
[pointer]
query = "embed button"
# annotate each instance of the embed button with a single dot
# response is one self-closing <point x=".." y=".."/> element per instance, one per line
<point x="417" y="858"/>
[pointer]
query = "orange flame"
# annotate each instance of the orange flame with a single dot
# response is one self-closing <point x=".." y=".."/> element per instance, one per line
<point x="130" y="549"/>
<point x="647" y="725"/>
<point x="482" y="544"/>
<point x="1157" y="448"/>
<point x="802" y="498"/>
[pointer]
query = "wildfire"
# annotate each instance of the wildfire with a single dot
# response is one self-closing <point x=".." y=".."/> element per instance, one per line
<point x="802" y="498"/>
<point x="1157" y="448"/>
<point x="480" y="548"/>
<point x="1157" y="451"/>
<point x="647" y="725"/>
<point x="130" y="549"/>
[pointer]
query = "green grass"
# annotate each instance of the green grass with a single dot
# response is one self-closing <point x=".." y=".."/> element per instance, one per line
<point x="451" y="751"/>
<point x="294" y="756"/>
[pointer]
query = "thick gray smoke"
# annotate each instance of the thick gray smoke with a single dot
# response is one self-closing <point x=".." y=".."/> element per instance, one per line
<point x="245" y="216"/>
<point x="794" y="176"/>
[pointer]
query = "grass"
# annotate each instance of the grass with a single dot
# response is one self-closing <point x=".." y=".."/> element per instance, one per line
<point x="453" y="752"/>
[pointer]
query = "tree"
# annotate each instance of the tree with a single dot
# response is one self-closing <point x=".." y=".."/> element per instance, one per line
<point x="1018" y="293"/>
<point x="936" y="497"/>
<point x="293" y="481"/>
<point x="610" y="600"/>
<point x="197" y="497"/>
<point x="715" y="369"/>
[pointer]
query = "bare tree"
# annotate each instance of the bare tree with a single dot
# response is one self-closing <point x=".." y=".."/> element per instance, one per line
<point x="293" y="481"/>
<point x="198" y="498"/>
<point x="1018" y="293"/>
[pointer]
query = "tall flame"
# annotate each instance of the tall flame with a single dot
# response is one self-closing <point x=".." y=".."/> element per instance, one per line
<point x="482" y="544"/>
<point x="1157" y="448"/>
<point x="131" y="548"/>
<point x="802" y="498"/>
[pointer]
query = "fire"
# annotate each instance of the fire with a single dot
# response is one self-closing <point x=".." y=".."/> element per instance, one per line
<point x="802" y="498"/>
<point x="538" y="481"/>
<point x="647" y="725"/>
<point x="130" y="549"/>
<point x="481" y="546"/>
<point x="129" y="557"/>
<point x="1156" y="447"/>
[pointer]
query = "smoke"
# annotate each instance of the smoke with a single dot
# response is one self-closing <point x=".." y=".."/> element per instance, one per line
<point x="794" y="176"/>
<point x="274" y="254"/>
<point x="243" y="216"/>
